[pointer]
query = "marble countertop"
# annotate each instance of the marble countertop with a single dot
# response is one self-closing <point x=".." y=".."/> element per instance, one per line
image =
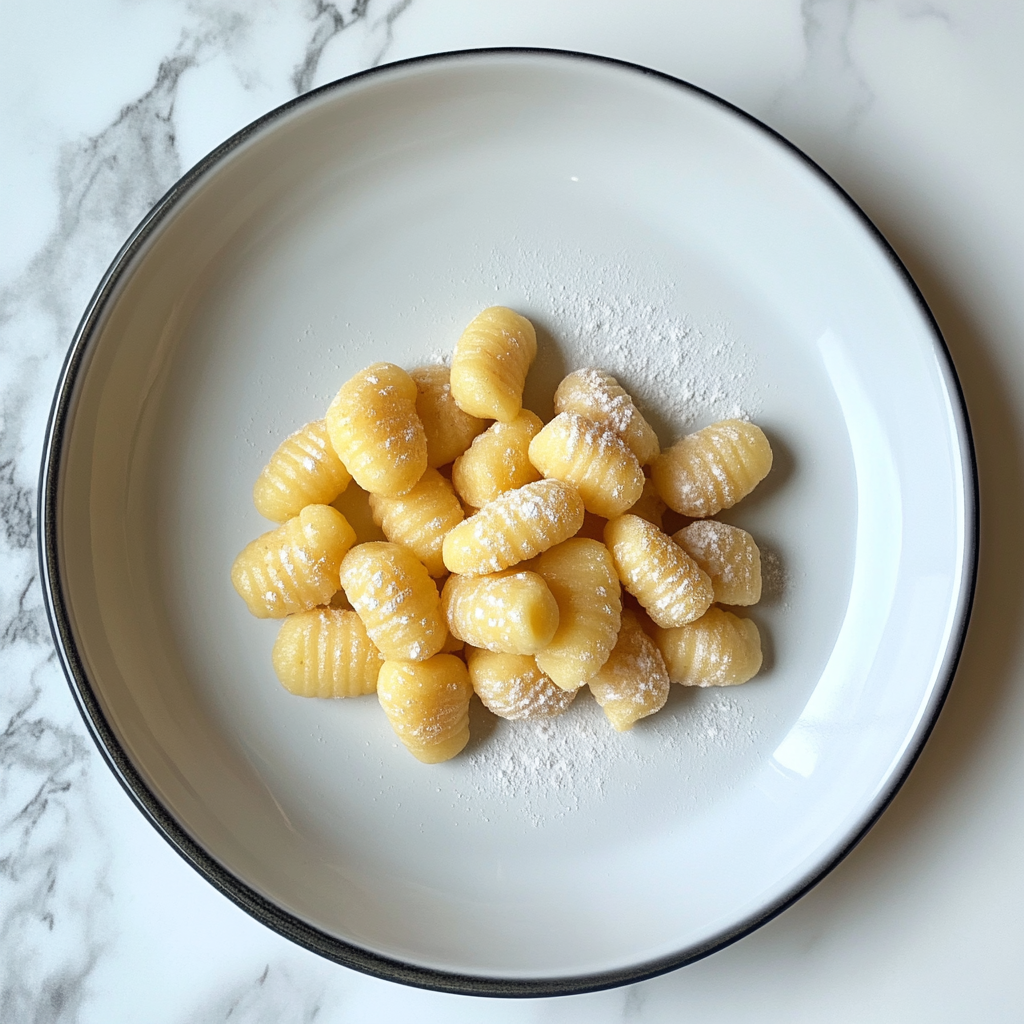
<point x="915" y="107"/>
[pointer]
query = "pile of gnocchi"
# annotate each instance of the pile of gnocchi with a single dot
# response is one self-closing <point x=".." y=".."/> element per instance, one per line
<point x="535" y="530"/>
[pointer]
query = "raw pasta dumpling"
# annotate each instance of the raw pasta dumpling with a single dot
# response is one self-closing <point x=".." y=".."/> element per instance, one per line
<point x="712" y="469"/>
<point x="581" y="576"/>
<point x="376" y="431"/>
<point x="512" y="686"/>
<point x="633" y="683"/>
<point x="597" y="395"/>
<point x="427" y="703"/>
<point x="666" y="581"/>
<point x="728" y="555"/>
<point x="515" y="526"/>
<point x="420" y="518"/>
<point x="449" y="430"/>
<point x="498" y="460"/>
<point x="304" y="470"/>
<point x="719" y="649"/>
<point x="490" y="364"/>
<point x="512" y="612"/>
<point x="391" y="591"/>
<point x="295" y="567"/>
<point x="326" y="652"/>
<point x="595" y="460"/>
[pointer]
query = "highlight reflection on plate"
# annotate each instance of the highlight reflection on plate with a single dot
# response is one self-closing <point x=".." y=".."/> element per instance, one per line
<point x="644" y="227"/>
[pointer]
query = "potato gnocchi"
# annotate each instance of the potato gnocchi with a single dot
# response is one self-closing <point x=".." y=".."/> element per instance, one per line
<point x="420" y="518"/>
<point x="304" y="470"/>
<point x="449" y="430"/>
<point x="513" y="686"/>
<point x="633" y="683"/>
<point x="391" y="591"/>
<point x="490" y="363"/>
<point x="537" y="529"/>
<point x="515" y="526"/>
<point x="497" y="461"/>
<point x="511" y="612"/>
<point x="595" y="460"/>
<point x="427" y="703"/>
<point x="581" y="576"/>
<point x="295" y="567"/>
<point x="666" y="581"/>
<point x="718" y="649"/>
<point x="326" y="652"/>
<point x="712" y="469"/>
<point x="376" y="431"/>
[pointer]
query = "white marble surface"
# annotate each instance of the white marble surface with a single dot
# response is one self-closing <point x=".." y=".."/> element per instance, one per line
<point x="915" y="107"/>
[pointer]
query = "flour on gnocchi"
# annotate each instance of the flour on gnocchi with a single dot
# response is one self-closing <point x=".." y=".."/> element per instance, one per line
<point x="509" y="542"/>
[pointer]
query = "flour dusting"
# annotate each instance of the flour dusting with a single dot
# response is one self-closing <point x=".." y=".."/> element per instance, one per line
<point x="554" y="768"/>
<point x="681" y="369"/>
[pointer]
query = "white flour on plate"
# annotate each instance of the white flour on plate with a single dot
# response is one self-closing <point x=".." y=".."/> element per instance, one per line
<point x="552" y="768"/>
<point x="682" y="371"/>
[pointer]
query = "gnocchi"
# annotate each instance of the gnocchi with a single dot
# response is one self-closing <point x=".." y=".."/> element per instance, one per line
<point x="325" y="652"/>
<point x="596" y="461"/>
<point x="718" y="649"/>
<point x="420" y="518"/>
<point x="304" y="470"/>
<point x="390" y="590"/>
<point x="490" y="364"/>
<point x="376" y="431"/>
<point x="728" y="555"/>
<point x="448" y="429"/>
<point x="712" y="469"/>
<point x="512" y="686"/>
<point x="581" y="576"/>
<point x="498" y="460"/>
<point x="512" y="612"/>
<point x="633" y="683"/>
<point x="537" y="528"/>
<point x="427" y="704"/>
<point x="295" y="567"/>
<point x="515" y="526"/>
<point x="597" y="396"/>
<point x="666" y="581"/>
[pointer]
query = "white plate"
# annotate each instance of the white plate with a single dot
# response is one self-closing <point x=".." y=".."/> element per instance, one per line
<point x="645" y="227"/>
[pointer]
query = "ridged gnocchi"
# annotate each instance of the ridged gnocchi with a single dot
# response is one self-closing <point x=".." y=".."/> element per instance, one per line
<point x="728" y="555"/>
<point x="295" y="567"/>
<point x="427" y="704"/>
<point x="512" y="612"/>
<point x="713" y="468"/>
<point x="633" y="683"/>
<point x="666" y="581"/>
<point x="391" y="591"/>
<point x="498" y="460"/>
<point x="449" y="430"/>
<point x="326" y="652"/>
<point x="420" y="518"/>
<point x="539" y="526"/>
<point x="515" y="526"/>
<point x="598" y="396"/>
<point x="304" y="470"/>
<point x="718" y="649"/>
<point x="376" y="431"/>
<point x="512" y="686"/>
<point x="581" y="576"/>
<point x="595" y="460"/>
<point x="490" y="364"/>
